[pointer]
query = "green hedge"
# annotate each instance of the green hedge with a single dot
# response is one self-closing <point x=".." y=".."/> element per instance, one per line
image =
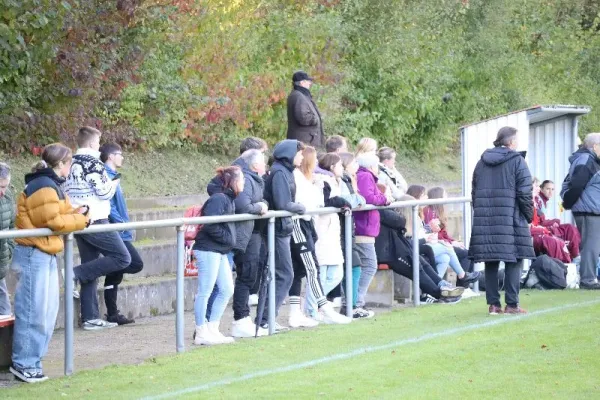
<point x="180" y="73"/>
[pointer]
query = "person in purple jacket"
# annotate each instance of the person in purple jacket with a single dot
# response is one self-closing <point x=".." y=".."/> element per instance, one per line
<point x="367" y="223"/>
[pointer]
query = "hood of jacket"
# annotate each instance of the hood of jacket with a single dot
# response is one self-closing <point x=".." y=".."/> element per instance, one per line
<point x="583" y="152"/>
<point x="285" y="151"/>
<point x="498" y="155"/>
<point x="47" y="172"/>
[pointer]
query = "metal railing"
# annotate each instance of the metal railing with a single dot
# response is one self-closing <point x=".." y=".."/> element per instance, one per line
<point x="178" y="224"/>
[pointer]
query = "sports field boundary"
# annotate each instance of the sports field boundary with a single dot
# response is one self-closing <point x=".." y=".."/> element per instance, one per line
<point x="498" y="320"/>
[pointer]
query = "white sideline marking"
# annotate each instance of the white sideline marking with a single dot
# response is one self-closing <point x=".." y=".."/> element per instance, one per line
<point x="499" y="320"/>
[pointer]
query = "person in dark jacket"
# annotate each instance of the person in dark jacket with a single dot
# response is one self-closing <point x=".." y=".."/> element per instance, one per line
<point x="394" y="249"/>
<point x="111" y="155"/>
<point x="502" y="211"/>
<point x="581" y="194"/>
<point x="213" y="243"/>
<point x="304" y="118"/>
<point x="280" y="194"/>
<point x="7" y="221"/>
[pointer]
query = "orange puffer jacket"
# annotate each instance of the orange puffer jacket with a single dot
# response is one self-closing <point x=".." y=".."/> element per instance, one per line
<point x="44" y="205"/>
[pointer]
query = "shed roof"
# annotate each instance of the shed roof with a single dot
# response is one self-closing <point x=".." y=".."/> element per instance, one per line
<point x="539" y="113"/>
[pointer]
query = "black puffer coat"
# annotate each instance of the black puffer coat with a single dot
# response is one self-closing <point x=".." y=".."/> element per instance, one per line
<point x="391" y="243"/>
<point x="502" y="208"/>
<point x="219" y="237"/>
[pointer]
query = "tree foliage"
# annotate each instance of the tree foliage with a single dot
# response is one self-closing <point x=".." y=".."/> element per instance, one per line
<point x="173" y="73"/>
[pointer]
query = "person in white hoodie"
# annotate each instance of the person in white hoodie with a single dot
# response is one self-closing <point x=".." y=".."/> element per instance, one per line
<point x="328" y="248"/>
<point x="88" y="185"/>
<point x="303" y="252"/>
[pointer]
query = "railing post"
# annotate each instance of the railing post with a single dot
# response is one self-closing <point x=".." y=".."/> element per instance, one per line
<point x="348" y="250"/>
<point x="415" y="256"/>
<point x="180" y="291"/>
<point x="271" y="250"/>
<point x="68" y="297"/>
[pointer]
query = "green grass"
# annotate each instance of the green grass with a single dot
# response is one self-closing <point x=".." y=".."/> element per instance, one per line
<point x="179" y="172"/>
<point x="550" y="355"/>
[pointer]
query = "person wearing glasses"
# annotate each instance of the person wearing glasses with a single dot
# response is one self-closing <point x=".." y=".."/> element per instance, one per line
<point x="111" y="155"/>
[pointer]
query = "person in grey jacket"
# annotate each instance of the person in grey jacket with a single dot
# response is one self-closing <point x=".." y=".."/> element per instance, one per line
<point x="7" y="221"/>
<point x="581" y="194"/>
<point x="304" y="119"/>
<point x="280" y="193"/>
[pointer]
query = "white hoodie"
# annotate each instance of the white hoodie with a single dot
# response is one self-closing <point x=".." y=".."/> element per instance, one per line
<point x="329" y="230"/>
<point x="309" y="194"/>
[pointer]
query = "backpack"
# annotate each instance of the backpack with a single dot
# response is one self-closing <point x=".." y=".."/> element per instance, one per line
<point x="552" y="273"/>
<point x="190" y="232"/>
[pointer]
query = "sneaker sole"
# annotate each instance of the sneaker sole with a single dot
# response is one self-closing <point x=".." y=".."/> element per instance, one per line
<point x="98" y="328"/>
<point x="454" y="292"/>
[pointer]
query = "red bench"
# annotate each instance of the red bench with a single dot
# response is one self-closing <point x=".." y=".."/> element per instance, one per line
<point x="383" y="267"/>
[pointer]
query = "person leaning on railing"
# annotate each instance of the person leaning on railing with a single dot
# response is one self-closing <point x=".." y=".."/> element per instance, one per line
<point x="41" y="205"/>
<point x="7" y="221"/>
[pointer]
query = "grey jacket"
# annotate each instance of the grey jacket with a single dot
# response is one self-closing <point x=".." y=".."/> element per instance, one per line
<point x="7" y="221"/>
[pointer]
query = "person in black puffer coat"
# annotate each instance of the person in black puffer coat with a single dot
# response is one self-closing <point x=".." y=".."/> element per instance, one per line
<point x="502" y="211"/>
<point x="213" y="243"/>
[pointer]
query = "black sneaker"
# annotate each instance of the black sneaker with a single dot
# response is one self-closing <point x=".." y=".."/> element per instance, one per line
<point x="361" y="312"/>
<point x="119" y="319"/>
<point x="590" y="286"/>
<point x="28" y="377"/>
<point x="470" y="277"/>
<point x="450" y="300"/>
<point x="428" y="299"/>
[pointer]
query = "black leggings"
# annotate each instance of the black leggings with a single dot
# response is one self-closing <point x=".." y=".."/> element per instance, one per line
<point x="428" y="277"/>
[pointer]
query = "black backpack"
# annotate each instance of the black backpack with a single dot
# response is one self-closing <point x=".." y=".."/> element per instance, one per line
<point x="551" y="272"/>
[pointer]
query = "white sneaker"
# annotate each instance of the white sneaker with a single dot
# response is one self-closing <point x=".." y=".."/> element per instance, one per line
<point x="299" y="320"/>
<point x="203" y="337"/>
<point x="213" y="328"/>
<point x="245" y="328"/>
<point x="329" y="316"/>
<point x="98" y="324"/>
<point x="253" y="300"/>
<point x="337" y="302"/>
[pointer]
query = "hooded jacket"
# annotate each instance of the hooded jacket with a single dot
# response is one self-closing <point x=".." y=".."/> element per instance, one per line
<point x="118" y="207"/>
<point x="245" y="202"/>
<point x="328" y="248"/>
<point x="367" y="222"/>
<point x="581" y="188"/>
<point x="7" y="221"/>
<point x="502" y="207"/>
<point x="219" y="237"/>
<point x="304" y="118"/>
<point x="280" y="187"/>
<point x="44" y="205"/>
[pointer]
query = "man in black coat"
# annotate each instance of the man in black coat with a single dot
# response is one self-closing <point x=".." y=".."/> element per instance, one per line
<point x="502" y="211"/>
<point x="304" y="118"/>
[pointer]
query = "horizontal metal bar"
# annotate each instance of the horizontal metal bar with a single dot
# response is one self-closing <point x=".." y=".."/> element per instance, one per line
<point x="174" y="222"/>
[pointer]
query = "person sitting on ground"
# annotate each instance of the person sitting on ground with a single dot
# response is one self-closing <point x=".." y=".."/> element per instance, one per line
<point x="435" y="217"/>
<point x="42" y="204"/>
<point x="567" y="232"/>
<point x="336" y="144"/>
<point x="349" y="191"/>
<point x="367" y="222"/>
<point x="366" y="146"/>
<point x="389" y="175"/>
<point x="88" y="184"/>
<point x="544" y="241"/>
<point x="394" y="248"/>
<point x="7" y="221"/>
<point x="213" y="243"/>
<point x="444" y="253"/>
<point x="111" y="155"/>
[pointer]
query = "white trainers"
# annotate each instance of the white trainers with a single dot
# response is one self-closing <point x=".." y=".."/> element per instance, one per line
<point x="218" y="337"/>
<point x="337" y="302"/>
<point x="299" y="320"/>
<point x="328" y="315"/>
<point x="245" y="328"/>
<point x="253" y="300"/>
<point x="98" y="324"/>
<point x="203" y="337"/>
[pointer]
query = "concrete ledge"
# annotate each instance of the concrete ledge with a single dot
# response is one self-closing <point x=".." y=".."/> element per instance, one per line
<point x="155" y="215"/>
<point x="167" y="201"/>
<point x="402" y="289"/>
<point x="381" y="290"/>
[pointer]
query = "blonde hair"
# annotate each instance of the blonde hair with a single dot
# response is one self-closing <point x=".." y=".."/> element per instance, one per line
<point x="309" y="162"/>
<point x="366" y="146"/>
<point x="407" y="213"/>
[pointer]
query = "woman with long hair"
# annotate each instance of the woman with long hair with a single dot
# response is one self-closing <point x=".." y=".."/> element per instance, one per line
<point x="213" y="243"/>
<point x="42" y="204"/>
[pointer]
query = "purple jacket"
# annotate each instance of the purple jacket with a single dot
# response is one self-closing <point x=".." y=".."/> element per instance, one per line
<point x="367" y="222"/>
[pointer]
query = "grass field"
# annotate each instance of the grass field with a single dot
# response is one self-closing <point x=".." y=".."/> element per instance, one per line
<point x="439" y="351"/>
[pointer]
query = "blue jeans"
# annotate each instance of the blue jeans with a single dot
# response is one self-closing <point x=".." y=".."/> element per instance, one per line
<point x="331" y="276"/>
<point x="36" y="306"/>
<point x="215" y="291"/>
<point x="213" y="268"/>
<point x="444" y="256"/>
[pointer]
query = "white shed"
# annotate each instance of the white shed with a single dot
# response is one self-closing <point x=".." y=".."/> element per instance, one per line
<point x="547" y="133"/>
